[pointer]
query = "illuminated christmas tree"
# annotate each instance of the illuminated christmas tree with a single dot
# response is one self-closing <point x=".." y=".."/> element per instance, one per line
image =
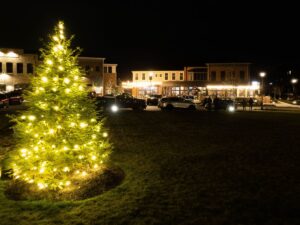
<point x="59" y="138"/>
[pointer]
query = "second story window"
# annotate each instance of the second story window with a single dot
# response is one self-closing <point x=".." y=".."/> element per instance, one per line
<point x="173" y="76"/>
<point x="213" y="75"/>
<point x="136" y="76"/>
<point x="166" y="76"/>
<point x="105" y="69"/>
<point x="97" y="68"/>
<point x="19" y="67"/>
<point x="87" y="68"/>
<point x="143" y="76"/>
<point x="242" y="75"/>
<point x="9" y="67"/>
<point x="1" y="71"/>
<point x="109" y="69"/>
<point x="29" y="68"/>
<point x="181" y="76"/>
<point x="223" y="75"/>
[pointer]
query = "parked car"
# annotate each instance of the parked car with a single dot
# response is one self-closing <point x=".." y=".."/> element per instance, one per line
<point x="222" y="104"/>
<point x="15" y="97"/>
<point x="4" y="100"/>
<point x="153" y="99"/>
<point x="114" y="103"/>
<point x="170" y="103"/>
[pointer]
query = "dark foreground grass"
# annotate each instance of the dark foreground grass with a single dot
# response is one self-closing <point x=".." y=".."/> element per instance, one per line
<point x="188" y="168"/>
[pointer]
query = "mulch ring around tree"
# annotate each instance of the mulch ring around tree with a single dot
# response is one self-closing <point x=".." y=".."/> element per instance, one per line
<point x="109" y="178"/>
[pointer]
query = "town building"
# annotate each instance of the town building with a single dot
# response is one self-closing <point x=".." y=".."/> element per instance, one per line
<point x="228" y="80"/>
<point x="16" y="68"/>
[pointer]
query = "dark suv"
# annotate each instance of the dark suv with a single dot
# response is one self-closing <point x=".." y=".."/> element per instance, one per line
<point x="120" y="101"/>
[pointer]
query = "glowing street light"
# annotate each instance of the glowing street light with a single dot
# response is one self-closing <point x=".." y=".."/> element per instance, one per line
<point x="262" y="76"/>
<point x="294" y="81"/>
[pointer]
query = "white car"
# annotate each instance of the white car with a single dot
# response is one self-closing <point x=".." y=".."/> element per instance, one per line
<point x="170" y="103"/>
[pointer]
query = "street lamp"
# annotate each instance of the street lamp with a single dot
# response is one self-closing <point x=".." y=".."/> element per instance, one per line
<point x="294" y="81"/>
<point x="262" y="76"/>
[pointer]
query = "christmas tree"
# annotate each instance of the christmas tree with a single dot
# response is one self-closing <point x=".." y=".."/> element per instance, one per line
<point x="60" y="140"/>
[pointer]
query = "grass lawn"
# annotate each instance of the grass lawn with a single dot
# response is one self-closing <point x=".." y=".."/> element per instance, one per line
<point x="187" y="168"/>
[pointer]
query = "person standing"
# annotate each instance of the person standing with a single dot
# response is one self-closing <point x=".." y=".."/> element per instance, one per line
<point x="251" y="103"/>
<point x="244" y="104"/>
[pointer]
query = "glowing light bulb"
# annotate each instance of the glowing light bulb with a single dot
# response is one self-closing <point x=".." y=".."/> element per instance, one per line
<point x="55" y="49"/>
<point x="76" y="77"/>
<point x="68" y="90"/>
<point x="41" y="185"/>
<point x="66" y="148"/>
<point x="96" y="166"/>
<point x="51" y="131"/>
<point x="31" y="118"/>
<point x="60" y="68"/>
<point x="55" y="78"/>
<point x="54" y="89"/>
<point x="68" y="183"/>
<point x="61" y="26"/>
<point x="66" y="169"/>
<point x="94" y="157"/>
<point x="56" y="108"/>
<point x="59" y="127"/>
<point x="83" y="125"/>
<point x="36" y="135"/>
<point x="93" y="120"/>
<point x="36" y="148"/>
<point x="66" y="80"/>
<point x="72" y="124"/>
<point x="94" y="136"/>
<point x="42" y="170"/>
<point x="77" y="171"/>
<point x="62" y="36"/>
<point x="105" y="134"/>
<point x="23" y="117"/>
<point x="60" y="47"/>
<point x="80" y="88"/>
<point x="45" y="79"/>
<point x="41" y="88"/>
<point x="55" y="38"/>
<point x="81" y="157"/>
<point x="84" y="173"/>
<point x="76" y="146"/>
<point x="31" y="181"/>
<point x="54" y="169"/>
<point x="49" y="62"/>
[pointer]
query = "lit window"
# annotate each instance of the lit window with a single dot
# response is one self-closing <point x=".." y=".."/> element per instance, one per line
<point x="173" y="76"/>
<point x="166" y="76"/>
<point x="181" y="76"/>
<point x="143" y="76"/>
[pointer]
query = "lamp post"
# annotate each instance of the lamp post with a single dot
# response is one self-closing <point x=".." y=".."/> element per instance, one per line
<point x="294" y="81"/>
<point x="262" y="76"/>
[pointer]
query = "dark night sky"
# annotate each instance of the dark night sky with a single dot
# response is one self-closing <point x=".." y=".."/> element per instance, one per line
<point x="161" y="34"/>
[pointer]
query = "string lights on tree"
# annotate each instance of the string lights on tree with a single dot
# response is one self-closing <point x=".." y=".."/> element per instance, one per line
<point x="59" y="138"/>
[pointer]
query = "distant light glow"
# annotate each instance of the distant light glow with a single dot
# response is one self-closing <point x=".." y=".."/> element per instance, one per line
<point x="114" y="108"/>
<point x="231" y="108"/>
